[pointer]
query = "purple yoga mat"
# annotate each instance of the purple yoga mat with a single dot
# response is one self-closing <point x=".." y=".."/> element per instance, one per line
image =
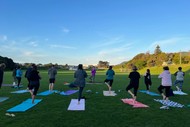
<point x="69" y="92"/>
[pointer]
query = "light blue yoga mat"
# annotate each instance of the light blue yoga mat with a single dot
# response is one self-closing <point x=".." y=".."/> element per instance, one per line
<point x="149" y="93"/>
<point x="24" y="105"/>
<point x="179" y="93"/>
<point x="3" y="99"/>
<point x="20" y="91"/>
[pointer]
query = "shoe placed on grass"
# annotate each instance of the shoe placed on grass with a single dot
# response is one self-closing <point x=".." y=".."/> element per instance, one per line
<point x="164" y="107"/>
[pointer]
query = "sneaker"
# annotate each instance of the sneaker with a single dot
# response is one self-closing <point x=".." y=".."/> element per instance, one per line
<point x="164" y="107"/>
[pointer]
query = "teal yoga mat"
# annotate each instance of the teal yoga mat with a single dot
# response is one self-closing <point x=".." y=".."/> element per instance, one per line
<point x="149" y="93"/>
<point x="24" y="105"/>
<point x="20" y="91"/>
<point x="3" y="99"/>
<point x="47" y="92"/>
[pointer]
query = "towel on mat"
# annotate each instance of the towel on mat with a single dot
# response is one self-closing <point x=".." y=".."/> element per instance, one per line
<point x="135" y="104"/>
<point x="74" y="106"/>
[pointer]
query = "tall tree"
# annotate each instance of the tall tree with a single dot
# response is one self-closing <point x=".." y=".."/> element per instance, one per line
<point x="157" y="50"/>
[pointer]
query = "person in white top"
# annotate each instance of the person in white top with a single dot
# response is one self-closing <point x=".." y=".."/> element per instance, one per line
<point x="179" y="78"/>
<point x="165" y="84"/>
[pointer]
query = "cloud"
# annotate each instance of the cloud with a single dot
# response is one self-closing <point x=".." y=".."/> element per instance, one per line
<point x="115" y="50"/>
<point x="31" y="54"/>
<point x="3" y="38"/>
<point x="62" y="46"/>
<point x="164" y="42"/>
<point x="173" y="44"/>
<point x="65" y="30"/>
<point x="108" y="42"/>
<point x="33" y="43"/>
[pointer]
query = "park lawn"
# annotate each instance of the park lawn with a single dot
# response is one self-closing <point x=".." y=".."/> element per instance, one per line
<point x="100" y="111"/>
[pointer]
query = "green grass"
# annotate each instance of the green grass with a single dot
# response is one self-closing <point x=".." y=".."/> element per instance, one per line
<point x="100" y="111"/>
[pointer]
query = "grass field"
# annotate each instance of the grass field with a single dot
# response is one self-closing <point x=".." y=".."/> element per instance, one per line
<point x="100" y="111"/>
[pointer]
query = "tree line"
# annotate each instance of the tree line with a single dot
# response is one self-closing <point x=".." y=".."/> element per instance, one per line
<point x="158" y="58"/>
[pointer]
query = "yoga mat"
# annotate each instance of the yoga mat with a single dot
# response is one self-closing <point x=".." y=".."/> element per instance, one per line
<point x="20" y="91"/>
<point x="68" y="92"/>
<point x="149" y="93"/>
<point x="169" y="103"/>
<point x="24" y="105"/>
<point x="135" y="104"/>
<point x="179" y="93"/>
<point x="7" y="84"/>
<point x="15" y="86"/>
<point x="74" y="106"/>
<point x="112" y="93"/>
<point x="45" y="93"/>
<point x="3" y="99"/>
<point x="95" y="83"/>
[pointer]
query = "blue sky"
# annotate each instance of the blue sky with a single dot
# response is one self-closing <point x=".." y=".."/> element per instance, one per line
<point x="87" y="31"/>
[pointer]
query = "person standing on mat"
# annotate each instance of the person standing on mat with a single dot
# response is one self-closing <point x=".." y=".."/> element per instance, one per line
<point x="109" y="79"/>
<point x="179" y="78"/>
<point x="18" y="76"/>
<point x="14" y="76"/>
<point x="134" y="77"/>
<point x="34" y="82"/>
<point x="80" y="81"/>
<point x="147" y="80"/>
<point x="27" y="75"/>
<point x="93" y="74"/>
<point x="2" y="67"/>
<point x="52" y="72"/>
<point x="166" y="84"/>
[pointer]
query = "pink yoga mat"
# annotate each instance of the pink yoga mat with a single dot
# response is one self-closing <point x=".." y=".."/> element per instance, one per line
<point x="135" y="104"/>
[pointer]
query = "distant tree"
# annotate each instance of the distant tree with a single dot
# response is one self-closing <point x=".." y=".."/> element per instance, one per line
<point x="157" y="50"/>
<point x="8" y="62"/>
<point x="103" y="64"/>
<point x="176" y="58"/>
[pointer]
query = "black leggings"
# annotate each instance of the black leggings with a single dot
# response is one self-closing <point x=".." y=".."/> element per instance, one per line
<point x="19" y="80"/>
<point x="135" y="88"/>
<point x="148" y="84"/>
<point x="80" y="93"/>
<point x="167" y="90"/>
<point x="71" y="85"/>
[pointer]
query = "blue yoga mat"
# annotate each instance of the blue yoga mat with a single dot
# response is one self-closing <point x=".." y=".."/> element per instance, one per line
<point x="20" y="91"/>
<point x="149" y="93"/>
<point x="24" y="105"/>
<point x="3" y="99"/>
<point x="47" y="92"/>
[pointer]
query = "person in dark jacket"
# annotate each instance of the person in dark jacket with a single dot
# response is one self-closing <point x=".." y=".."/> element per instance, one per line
<point x="134" y="83"/>
<point x="27" y="75"/>
<point x="34" y="78"/>
<point x="2" y="67"/>
<point x="80" y="81"/>
<point x="147" y="80"/>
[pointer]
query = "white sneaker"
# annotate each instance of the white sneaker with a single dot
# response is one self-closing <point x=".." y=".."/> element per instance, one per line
<point x="164" y="107"/>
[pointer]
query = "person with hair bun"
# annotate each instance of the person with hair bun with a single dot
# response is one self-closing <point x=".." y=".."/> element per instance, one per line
<point x="166" y="83"/>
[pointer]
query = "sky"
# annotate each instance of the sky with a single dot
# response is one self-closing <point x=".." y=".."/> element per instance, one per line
<point x="88" y="31"/>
